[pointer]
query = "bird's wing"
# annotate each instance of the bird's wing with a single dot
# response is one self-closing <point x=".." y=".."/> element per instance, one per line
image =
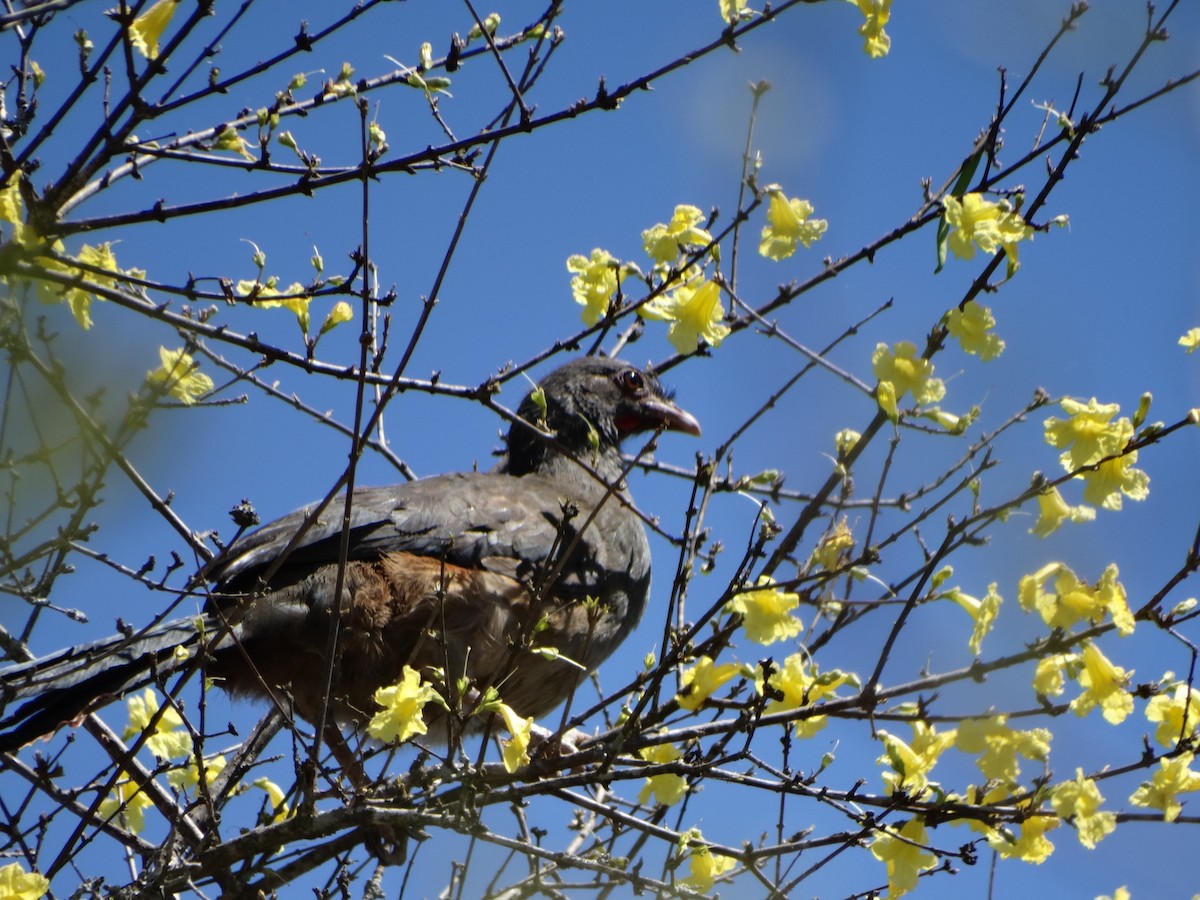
<point x="486" y="520"/>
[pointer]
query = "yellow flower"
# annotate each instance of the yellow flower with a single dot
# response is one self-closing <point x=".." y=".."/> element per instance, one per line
<point x="147" y="29"/>
<point x="732" y="10"/>
<point x="402" y="705"/>
<point x="127" y="803"/>
<point x="1189" y="341"/>
<point x="78" y="299"/>
<point x="845" y="441"/>
<point x="982" y="611"/>
<point x="878" y="12"/>
<point x="695" y="313"/>
<point x="799" y="684"/>
<point x="266" y="295"/>
<point x="341" y="312"/>
<point x="1121" y="893"/>
<point x="1053" y="510"/>
<point x="179" y="376"/>
<point x="704" y="865"/>
<point x="976" y="222"/>
<point x="1032" y="845"/>
<point x="1104" y="685"/>
<point x="1087" y="436"/>
<point x="885" y="395"/>
<point x="279" y="807"/>
<point x="767" y="613"/>
<point x="1174" y="776"/>
<point x="665" y="242"/>
<point x="999" y="746"/>
<point x="229" y="139"/>
<point x="788" y="224"/>
<point x="594" y="283"/>
<point x="1080" y="800"/>
<point x="187" y="776"/>
<point x="668" y="788"/>
<point x="972" y="328"/>
<point x="701" y="681"/>
<point x="1177" y="716"/>
<point x="834" y="548"/>
<point x="1048" y="678"/>
<point x="169" y="739"/>
<point x="907" y="372"/>
<point x="1074" y="601"/>
<point x="520" y="730"/>
<point x="904" y="852"/>
<point x="912" y="763"/>
<point x="17" y="884"/>
<point x="1114" y="479"/>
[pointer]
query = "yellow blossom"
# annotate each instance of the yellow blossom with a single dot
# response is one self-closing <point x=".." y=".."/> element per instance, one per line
<point x="788" y="224"/>
<point x="187" y="776"/>
<point x="877" y="42"/>
<point x="12" y="206"/>
<point x="515" y="749"/>
<point x="179" y="376"/>
<point x="835" y="547"/>
<point x="912" y="763"/>
<point x="1114" y="479"/>
<point x="983" y="612"/>
<point x="594" y="283"/>
<point x="1079" y="800"/>
<point x="229" y="139"/>
<point x="147" y="29"/>
<point x="701" y="681"/>
<point x="695" y="313"/>
<point x="999" y="746"/>
<point x="1191" y="340"/>
<point x="972" y="328"/>
<point x="904" y="852"/>
<point x="276" y="797"/>
<point x="976" y="222"/>
<point x="664" y="242"/>
<point x="1087" y="436"/>
<point x="1121" y="893"/>
<point x="17" y="884"/>
<point x="265" y="295"/>
<point x="1048" y="678"/>
<point x="798" y="684"/>
<point x="1178" y="715"/>
<point x="885" y="395"/>
<point x="668" y="788"/>
<point x="705" y="867"/>
<point x="402" y="704"/>
<point x="1174" y="777"/>
<point x="341" y="312"/>
<point x="168" y="739"/>
<point x="1053" y="510"/>
<point x="1104" y="685"/>
<point x="767" y="613"/>
<point x="77" y="298"/>
<point x="128" y="804"/>
<point x="1072" y="600"/>
<point x="907" y="372"/>
<point x="845" y="441"/>
<point x="732" y="10"/>
<point x="1031" y="845"/>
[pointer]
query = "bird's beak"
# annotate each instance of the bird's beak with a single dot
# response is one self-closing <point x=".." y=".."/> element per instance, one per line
<point x="658" y="412"/>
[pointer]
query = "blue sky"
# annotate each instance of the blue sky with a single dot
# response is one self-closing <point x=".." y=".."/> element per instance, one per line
<point x="1095" y="309"/>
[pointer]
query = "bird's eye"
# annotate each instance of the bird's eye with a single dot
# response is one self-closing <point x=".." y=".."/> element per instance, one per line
<point x="631" y="381"/>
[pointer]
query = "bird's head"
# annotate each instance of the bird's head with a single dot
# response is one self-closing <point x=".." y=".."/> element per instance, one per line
<point x="591" y="405"/>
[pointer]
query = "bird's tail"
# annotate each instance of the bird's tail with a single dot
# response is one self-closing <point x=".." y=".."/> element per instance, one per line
<point x="39" y="696"/>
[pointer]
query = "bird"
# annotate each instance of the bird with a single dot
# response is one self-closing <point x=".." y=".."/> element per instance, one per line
<point x="516" y="580"/>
